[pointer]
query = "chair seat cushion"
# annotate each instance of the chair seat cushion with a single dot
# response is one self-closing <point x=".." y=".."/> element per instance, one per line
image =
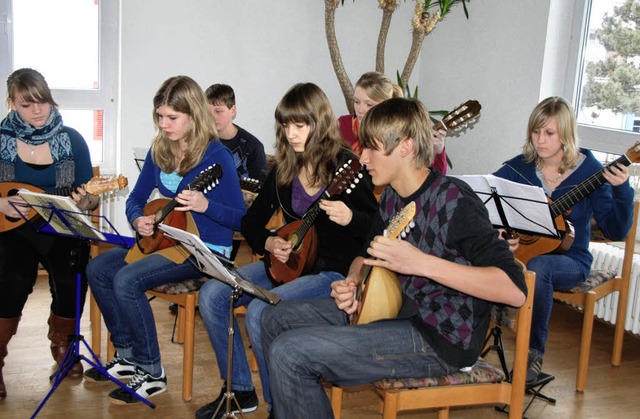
<point x="481" y="372"/>
<point x="182" y="287"/>
<point x="595" y="278"/>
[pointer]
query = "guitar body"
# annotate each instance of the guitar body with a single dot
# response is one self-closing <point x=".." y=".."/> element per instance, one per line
<point x="11" y="189"/>
<point x="157" y="241"/>
<point x="531" y="246"/>
<point x="302" y="258"/>
<point x="381" y="296"/>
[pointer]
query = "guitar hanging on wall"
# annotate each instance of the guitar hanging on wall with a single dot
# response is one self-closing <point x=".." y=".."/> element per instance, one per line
<point x="302" y="233"/>
<point x="97" y="185"/>
<point x="163" y="210"/>
<point x="532" y="245"/>
<point x="379" y="295"/>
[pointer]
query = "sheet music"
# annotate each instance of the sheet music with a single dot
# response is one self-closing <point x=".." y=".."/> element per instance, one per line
<point x="210" y="264"/>
<point x="50" y="207"/>
<point x="525" y="207"/>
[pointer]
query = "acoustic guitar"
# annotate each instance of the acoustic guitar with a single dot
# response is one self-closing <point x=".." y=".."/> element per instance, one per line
<point x="163" y="210"/>
<point x="459" y="118"/>
<point x="97" y="185"/>
<point x="302" y="234"/>
<point x="532" y="245"/>
<point x="379" y="295"/>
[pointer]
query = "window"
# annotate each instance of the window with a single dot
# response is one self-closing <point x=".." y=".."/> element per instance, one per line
<point x="73" y="43"/>
<point x="606" y="85"/>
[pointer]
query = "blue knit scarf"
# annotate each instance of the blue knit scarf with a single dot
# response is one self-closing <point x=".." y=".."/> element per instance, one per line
<point x="13" y="127"/>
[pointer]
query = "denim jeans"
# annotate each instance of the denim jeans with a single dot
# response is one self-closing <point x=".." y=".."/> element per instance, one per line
<point x="119" y="289"/>
<point x="310" y="342"/>
<point x="553" y="272"/>
<point x="213" y="301"/>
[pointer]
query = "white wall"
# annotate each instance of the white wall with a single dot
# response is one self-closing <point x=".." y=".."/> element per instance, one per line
<point x="496" y="57"/>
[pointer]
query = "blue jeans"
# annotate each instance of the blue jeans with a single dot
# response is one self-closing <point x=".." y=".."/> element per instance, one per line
<point x="310" y="342"/>
<point x="119" y="289"/>
<point x="553" y="272"/>
<point x="213" y="301"/>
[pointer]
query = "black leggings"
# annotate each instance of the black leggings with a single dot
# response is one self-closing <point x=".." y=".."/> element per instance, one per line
<point x="21" y="250"/>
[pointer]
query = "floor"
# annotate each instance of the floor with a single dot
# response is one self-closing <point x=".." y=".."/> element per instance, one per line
<point x="611" y="392"/>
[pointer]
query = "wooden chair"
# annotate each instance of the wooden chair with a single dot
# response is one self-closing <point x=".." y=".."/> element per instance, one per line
<point x="485" y="384"/>
<point x="584" y="296"/>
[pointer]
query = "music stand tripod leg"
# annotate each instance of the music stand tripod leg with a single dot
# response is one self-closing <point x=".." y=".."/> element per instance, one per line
<point x="73" y="352"/>
<point x="229" y="395"/>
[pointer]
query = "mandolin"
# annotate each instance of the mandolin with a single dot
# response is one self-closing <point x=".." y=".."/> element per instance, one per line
<point x="163" y="210"/>
<point x="532" y="245"/>
<point x="302" y="234"/>
<point x="97" y="185"/>
<point x="379" y="295"/>
<point x="250" y="189"/>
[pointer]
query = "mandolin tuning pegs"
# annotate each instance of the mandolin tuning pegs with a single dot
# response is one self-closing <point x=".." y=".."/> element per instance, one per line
<point x="412" y="224"/>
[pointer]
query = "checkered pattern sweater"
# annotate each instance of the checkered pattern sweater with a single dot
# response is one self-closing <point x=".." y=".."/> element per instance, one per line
<point x="452" y="223"/>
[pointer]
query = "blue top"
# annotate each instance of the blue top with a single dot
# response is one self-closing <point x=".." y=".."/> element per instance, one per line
<point x="226" y="205"/>
<point x="611" y="206"/>
<point x="44" y="176"/>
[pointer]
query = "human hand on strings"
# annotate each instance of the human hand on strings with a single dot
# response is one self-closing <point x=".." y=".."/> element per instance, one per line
<point x="511" y="238"/>
<point x="343" y="293"/>
<point x="84" y="200"/>
<point x="192" y="201"/>
<point x="396" y="255"/>
<point x="438" y="141"/>
<point x="616" y="174"/>
<point x="144" y="225"/>
<point x="279" y="248"/>
<point x="21" y="207"/>
<point x="337" y="211"/>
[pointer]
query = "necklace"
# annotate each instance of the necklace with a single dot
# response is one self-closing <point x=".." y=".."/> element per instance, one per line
<point x="32" y="148"/>
<point x="551" y="181"/>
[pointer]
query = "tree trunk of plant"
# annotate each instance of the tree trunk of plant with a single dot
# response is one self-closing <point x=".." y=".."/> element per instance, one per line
<point x="334" y="50"/>
<point x="423" y="23"/>
<point x="387" y="14"/>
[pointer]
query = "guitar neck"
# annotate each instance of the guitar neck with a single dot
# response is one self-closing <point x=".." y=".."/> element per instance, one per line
<point x="568" y="200"/>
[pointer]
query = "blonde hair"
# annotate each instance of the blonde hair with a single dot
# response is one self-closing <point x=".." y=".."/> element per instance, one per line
<point x="558" y="108"/>
<point x="31" y="85"/>
<point x="378" y="86"/>
<point x="307" y="103"/>
<point x="182" y="94"/>
<point x="395" y="119"/>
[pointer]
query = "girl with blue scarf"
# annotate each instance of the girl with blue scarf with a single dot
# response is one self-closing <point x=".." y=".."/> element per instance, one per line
<point x="36" y="148"/>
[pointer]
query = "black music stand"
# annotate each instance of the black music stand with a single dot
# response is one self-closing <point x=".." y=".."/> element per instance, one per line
<point x="62" y="217"/>
<point x="208" y="263"/>
<point x="514" y="206"/>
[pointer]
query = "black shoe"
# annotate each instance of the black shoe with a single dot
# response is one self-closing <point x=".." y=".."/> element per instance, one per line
<point x="534" y="366"/>
<point x="118" y="368"/>
<point x="173" y="308"/>
<point x="143" y="384"/>
<point x="248" y="401"/>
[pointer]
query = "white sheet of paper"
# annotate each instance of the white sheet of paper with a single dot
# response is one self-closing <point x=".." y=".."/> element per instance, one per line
<point x="526" y="207"/>
<point x="77" y="219"/>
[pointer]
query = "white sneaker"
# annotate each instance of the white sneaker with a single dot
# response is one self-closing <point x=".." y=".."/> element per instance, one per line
<point x="143" y="384"/>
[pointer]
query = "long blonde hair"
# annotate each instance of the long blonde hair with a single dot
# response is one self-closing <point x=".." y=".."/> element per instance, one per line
<point x="182" y="94"/>
<point x="307" y="103"/>
<point x="558" y="108"/>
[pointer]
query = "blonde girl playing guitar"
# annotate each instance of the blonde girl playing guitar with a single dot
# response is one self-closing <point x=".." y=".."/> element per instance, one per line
<point x="552" y="160"/>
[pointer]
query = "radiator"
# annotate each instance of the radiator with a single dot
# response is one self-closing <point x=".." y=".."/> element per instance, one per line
<point x="606" y="256"/>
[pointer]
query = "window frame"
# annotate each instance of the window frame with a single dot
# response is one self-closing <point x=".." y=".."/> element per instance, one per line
<point x="104" y="98"/>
